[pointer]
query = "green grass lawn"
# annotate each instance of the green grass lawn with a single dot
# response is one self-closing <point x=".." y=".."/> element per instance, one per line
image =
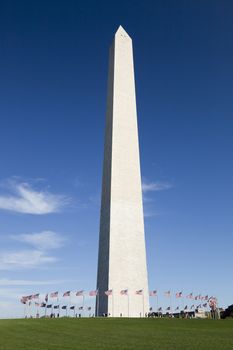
<point x="115" y="334"/>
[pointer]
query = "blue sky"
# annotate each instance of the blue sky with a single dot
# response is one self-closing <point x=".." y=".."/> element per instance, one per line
<point x="53" y="69"/>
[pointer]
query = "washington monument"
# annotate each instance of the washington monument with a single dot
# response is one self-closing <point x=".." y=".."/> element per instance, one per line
<point x="122" y="269"/>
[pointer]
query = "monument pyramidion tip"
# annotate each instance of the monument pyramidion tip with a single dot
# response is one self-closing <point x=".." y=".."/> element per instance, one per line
<point x="121" y="32"/>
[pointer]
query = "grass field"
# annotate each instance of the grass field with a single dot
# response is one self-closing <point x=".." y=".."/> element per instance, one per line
<point x="115" y="334"/>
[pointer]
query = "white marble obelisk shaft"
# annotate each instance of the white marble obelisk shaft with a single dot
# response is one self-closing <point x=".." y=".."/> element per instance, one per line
<point x="122" y="253"/>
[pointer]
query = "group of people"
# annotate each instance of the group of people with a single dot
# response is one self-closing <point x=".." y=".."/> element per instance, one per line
<point x="53" y="315"/>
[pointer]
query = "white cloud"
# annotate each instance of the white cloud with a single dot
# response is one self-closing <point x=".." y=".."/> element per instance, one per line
<point x="32" y="258"/>
<point x="30" y="201"/>
<point x="147" y="187"/>
<point x="44" y="240"/>
<point x="24" y="259"/>
<point x="155" y="186"/>
<point x="148" y="214"/>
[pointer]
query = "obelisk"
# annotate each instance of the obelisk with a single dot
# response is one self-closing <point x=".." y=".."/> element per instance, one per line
<point x="122" y="254"/>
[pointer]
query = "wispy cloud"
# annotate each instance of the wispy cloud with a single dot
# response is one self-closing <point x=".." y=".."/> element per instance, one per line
<point x="148" y="200"/>
<point x="37" y="256"/>
<point x="155" y="186"/>
<point x="24" y="259"/>
<point x="149" y="214"/>
<point x="24" y="199"/>
<point x="44" y="240"/>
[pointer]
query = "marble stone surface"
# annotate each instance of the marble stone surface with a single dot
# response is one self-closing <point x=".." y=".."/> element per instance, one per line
<point x="122" y="253"/>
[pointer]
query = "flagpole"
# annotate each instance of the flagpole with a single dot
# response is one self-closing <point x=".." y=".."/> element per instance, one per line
<point x="128" y="300"/>
<point x="24" y="309"/>
<point x="83" y="304"/>
<point x="143" y="303"/>
<point x="97" y="304"/>
<point x="48" y="300"/>
<point x="183" y="301"/>
<point x="30" y="308"/>
<point x="45" y="313"/>
<point x="69" y="303"/>
<point x="58" y="305"/>
<point x="170" y="301"/>
<point x="112" y="304"/>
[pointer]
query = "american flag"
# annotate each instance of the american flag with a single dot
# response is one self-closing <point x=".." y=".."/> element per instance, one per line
<point x="24" y="300"/>
<point x="35" y="296"/>
<point x="93" y="293"/>
<point x="153" y="293"/>
<point x="213" y="302"/>
<point x="80" y="293"/>
<point x="168" y="293"/>
<point x="139" y="292"/>
<point x="66" y="294"/>
<point x="124" y="292"/>
<point x="190" y="296"/>
<point x="54" y="295"/>
<point x="178" y="294"/>
<point x="108" y="292"/>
